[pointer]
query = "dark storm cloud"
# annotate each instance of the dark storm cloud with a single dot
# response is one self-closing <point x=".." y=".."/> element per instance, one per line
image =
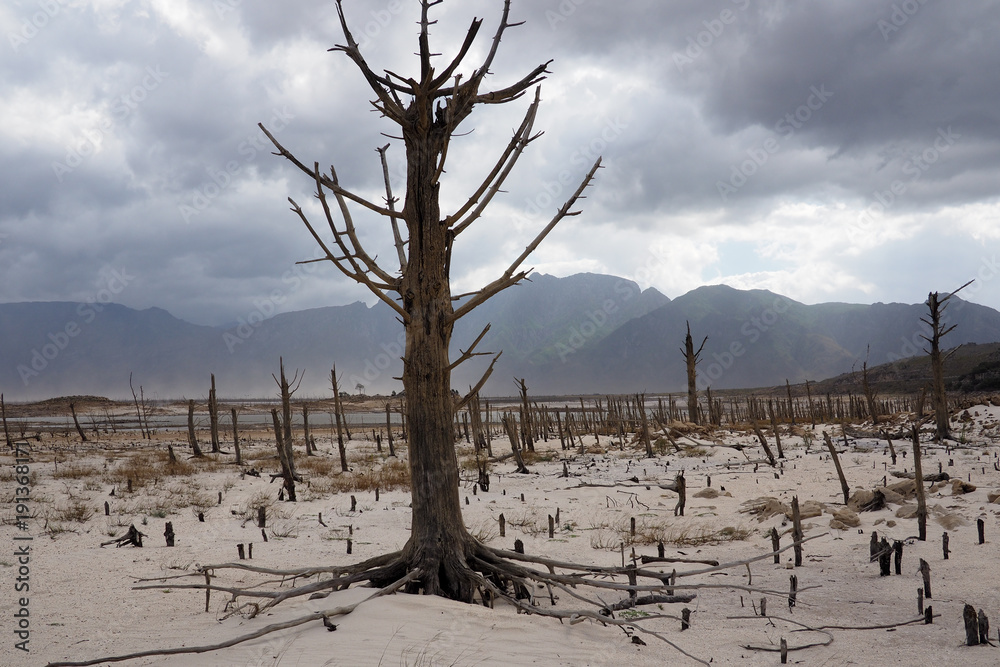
<point x="130" y="140"/>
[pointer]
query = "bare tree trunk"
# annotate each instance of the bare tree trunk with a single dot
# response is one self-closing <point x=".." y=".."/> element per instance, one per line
<point x="6" y="433"/>
<point x="284" y="451"/>
<point x="76" y="422"/>
<point x="869" y="393"/>
<point x="511" y="430"/>
<point x="791" y="406"/>
<point x="644" y="426"/>
<point x="138" y="413"/>
<point x="918" y="478"/>
<point x="526" y="426"/>
<point x="388" y="429"/>
<point x="336" y="412"/>
<point x="236" y="438"/>
<point x="310" y="451"/>
<point x="840" y="471"/>
<point x="691" y="359"/>
<point x="213" y="417"/>
<point x="192" y="438"/>
<point x="286" y="413"/>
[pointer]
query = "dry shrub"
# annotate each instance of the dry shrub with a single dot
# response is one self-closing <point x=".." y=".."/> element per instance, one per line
<point x="77" y="511"/>
<point x="75" y="471"/>
<point x="391" y="475"/>
<point x="152" y="466"/>
<point x="317" y="465"/>
<point x="649" y="531"/>
<point x="248" y="509"/>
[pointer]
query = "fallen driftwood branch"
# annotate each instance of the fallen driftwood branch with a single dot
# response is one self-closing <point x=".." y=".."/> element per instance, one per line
<point x="658" y="559"/>
<point x="937" y="477"/>
<point x="630" y="602"/>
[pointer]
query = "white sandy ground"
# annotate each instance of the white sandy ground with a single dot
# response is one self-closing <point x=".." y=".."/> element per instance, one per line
<point x="82" y="604"/>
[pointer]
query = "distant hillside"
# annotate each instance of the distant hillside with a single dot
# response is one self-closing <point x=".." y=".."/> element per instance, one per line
<point x="578" y="335"/>
<point x="969" y="368"/>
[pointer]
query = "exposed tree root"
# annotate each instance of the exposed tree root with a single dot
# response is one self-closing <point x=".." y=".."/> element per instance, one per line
<point x="475" y="574"/>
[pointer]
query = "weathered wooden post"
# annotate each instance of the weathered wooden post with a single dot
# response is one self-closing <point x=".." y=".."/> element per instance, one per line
<point x="775" y="545"/>
<point x="944" y="544"/>
<point x="918" y="474"/>
<point x="168" y="533"/>
<point x="981" y="526"/>
<point x="797" y="531"/>
<point x="503" y="526"/>
<point x="897" y="550"/>
<point x="840" y="471"/>
<point x="925" y="572"/>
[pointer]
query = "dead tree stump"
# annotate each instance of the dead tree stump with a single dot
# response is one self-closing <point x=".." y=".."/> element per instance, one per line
<point x="925" y="572"/>
<point x="169" y="534"/>
<point x="971" y="625"/>
<point x="797" y="531"/>
<point x="944" y="544"/>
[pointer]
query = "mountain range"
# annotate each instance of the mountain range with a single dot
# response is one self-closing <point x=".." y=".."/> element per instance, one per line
<point x="586" y="333"/>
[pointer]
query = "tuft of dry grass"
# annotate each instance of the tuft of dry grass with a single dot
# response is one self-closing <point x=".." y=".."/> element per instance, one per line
<point x="391" y="475"/>
<point x="76" y="511"/>
<point x="75" y="471"/>
<point x="649" y="531"/>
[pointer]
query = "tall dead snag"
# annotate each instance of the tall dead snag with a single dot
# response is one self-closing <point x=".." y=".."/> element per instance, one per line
<point x="236" y="438"/>
<point x="6" y="433"/>
<point x="287" y="389"/>
<point x="213" y="417"/>
<point x="691" y="359"/>
<point x="76" y="422"/>
<point x="918" y="478"/>
<point x="337" y="413"/>
<point x="936" y="306"/>
<point x="869" y="392"/>
<point x="526" y="425"/>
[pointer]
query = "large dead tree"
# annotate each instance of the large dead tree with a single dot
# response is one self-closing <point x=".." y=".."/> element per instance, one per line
<point x="936" y="306"/>
<point x="428" y="110"/>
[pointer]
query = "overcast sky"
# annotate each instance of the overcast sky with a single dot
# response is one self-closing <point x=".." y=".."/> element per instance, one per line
<point x="828" y="151"/>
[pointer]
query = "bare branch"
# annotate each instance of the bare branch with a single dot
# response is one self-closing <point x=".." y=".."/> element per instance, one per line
<point x="468" y="354"/>
<point x="509" y="276"/>
<point x="491" y="185"/>
<point x="390" y="202"/>
<point x="479" y="385"/>
<point x="334" y="187"/>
